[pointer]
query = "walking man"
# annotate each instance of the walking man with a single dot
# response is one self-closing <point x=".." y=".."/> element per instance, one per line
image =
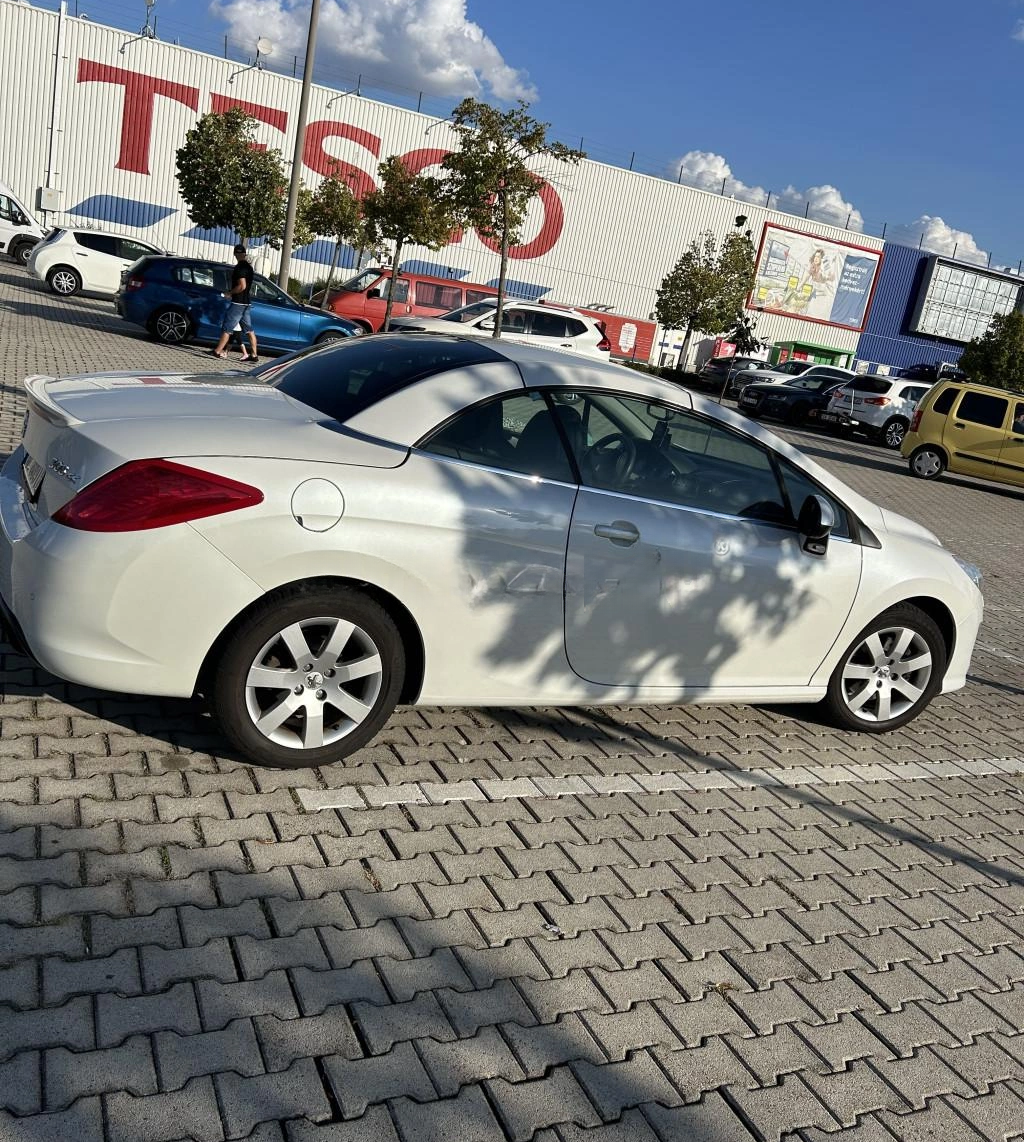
<point x="237" y="313"/>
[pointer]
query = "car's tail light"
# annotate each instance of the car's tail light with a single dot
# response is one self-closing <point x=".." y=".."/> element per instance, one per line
<point x="134" y="282"/>
<point x="604" y="345"/>
<point x="915" y="420"/>
<point x="880" y="401"/>
<point x="144" y="494"/>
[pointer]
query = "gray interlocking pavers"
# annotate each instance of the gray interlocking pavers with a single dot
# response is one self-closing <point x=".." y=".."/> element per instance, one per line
<point x="719" y="922"/>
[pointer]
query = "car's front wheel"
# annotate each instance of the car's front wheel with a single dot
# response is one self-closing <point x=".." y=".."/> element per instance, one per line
<point x="64" y="280"/>
<point x="308" y="677"/>
<point x="171" y="326"/>
<point x="890" y="672"/>
<point x="330" y="336"/>
<point x="927" y="462"/>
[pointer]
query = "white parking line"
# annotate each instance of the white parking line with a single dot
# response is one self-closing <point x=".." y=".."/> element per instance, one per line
<point x="542" y="785"/>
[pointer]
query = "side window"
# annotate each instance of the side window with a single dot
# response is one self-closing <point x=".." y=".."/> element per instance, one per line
<point x="401" y="289"/>
<point x="982" y="408"/>
<point x="1018" y="418"/>
<point x="131" y="250"/>
<point x="644" y="449"/>
<point x="6" y="208"/>
<point x="512" y="321"/>
<point x="183" y="274"/>
<point x="433" y="296"/>
<point x="575" y="328"/>
<point x="548" y="325"/>
<point x="913" y="393"/>
<point x="101" y="243"/>
<point x="515" y="433"/>
<point x="799" y="486"/>
<point x="262" y="290"/>
<point x="944" y="401"/>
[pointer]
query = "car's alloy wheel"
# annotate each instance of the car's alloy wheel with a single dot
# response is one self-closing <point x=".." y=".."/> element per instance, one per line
<point x="171" y="326"/>
<point x="893" y="432"/>
<point x="22" y="254"/>
<point x="927" y="463"/>
<point x="309" y="677"/>
<point x="330" y="337"/>
<point x="890" y="672"/>
<point x="64" y="281"/>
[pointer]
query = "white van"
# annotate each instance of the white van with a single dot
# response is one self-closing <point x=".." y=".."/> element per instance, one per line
<point x="19" y="231"/>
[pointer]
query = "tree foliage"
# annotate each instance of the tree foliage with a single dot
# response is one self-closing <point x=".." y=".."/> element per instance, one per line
<point x="490" y="181"/>
<point x="743" y="334"/>
<point x="406" y="209"/>
<point x="227" y="182"/>
<point x="334" y="212"/>
<point x="997" y="356"/>
<point x="707" y="288"/>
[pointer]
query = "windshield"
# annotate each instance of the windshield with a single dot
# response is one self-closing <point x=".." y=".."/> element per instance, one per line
<point x="793" y="367"/>
<point x="811" y="384"/>
<point x="470" y="312"/>
<point x="361" y="282"/>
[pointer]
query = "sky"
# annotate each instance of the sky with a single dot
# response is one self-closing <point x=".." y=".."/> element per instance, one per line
<point x="902" y="113"/>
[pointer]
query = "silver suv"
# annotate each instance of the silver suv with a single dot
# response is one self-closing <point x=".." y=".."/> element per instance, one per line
<point x="879" y="407"/>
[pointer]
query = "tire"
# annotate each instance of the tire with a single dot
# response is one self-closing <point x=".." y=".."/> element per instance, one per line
<point x="927" y="462"/>
<point x="861" y="693"/>
<point x="308" y="618"/>
<point x="171" y="325"/>
<point x="893" y="431"/>
<point x="330" y="336"/>
<point x="64" y="281"/>
<point x="21" y="253"/>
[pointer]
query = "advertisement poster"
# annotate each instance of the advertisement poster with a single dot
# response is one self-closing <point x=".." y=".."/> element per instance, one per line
<point x="803" y="275"/>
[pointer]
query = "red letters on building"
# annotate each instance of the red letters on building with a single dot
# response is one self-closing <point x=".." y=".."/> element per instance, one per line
<point x="269" y="115"/>
<point x="137" y="115"/>
<point x="317" y="159"/>
<point x="550" y="231"/>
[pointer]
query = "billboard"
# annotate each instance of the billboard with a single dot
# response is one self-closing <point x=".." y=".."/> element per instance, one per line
<point x="816" y="279"/>
<point x="957" y="302"/>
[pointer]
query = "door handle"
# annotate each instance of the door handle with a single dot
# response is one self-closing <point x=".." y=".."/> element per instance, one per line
<point x="620" y="532"/>
<point x="957" y="424"/>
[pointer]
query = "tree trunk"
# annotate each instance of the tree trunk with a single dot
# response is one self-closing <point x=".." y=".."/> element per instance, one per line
<point x="684" y="353"/>
<point x="330" y="273"/>
<point x="503" y="271"/>
<point x="391" y="286"/>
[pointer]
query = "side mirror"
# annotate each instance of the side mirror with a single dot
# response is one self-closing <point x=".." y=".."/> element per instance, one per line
<point x="20" y="219"/>
<point x="815" y="524"/>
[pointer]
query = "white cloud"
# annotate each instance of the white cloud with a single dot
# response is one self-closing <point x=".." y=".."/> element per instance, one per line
<point x="424" y="45"/>
<point x="1018" y="31"/>
<point x="938" y="237"/>
<point x="708" y="171"/>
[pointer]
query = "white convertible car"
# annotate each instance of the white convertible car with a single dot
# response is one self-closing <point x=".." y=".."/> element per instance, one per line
<point x="445" y="520"/>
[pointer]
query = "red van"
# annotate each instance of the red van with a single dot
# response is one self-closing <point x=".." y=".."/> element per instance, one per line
<point x="364" y="298"/>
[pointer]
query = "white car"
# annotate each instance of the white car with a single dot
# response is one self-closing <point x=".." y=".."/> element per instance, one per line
<point x="880" y="407"/>
<point x="452" y="521"/>
<point x="529" y="323"/>
<point x="781" y="374"/>
<point x="73" y="260"/>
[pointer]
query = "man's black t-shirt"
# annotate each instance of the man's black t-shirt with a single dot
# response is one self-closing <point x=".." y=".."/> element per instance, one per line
<point x="243" y="272"/>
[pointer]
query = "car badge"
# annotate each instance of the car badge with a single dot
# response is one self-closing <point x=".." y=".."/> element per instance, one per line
<point x="62" y="469"/>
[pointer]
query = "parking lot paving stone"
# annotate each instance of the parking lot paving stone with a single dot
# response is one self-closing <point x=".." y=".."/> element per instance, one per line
<point x="710" y="924"/>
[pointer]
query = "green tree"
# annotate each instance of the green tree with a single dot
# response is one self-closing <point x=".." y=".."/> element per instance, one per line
<point x="707" y="288"/>
<point x="227" y="182"/>
<point x="743" y="334"/>
<point x="335" y="212"/>
<point x="489" y="180"/>
<point x="997" y="356"/>
<point x="406" y="209"/>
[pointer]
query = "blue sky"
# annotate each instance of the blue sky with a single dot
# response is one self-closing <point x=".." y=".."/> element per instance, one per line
<point x="902" y="112"/>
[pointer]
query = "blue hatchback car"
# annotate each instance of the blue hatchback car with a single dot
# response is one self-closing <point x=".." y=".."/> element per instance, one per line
<point x="181" y="299"/>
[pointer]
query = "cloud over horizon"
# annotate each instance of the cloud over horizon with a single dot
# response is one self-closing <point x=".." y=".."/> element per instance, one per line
<point x="423" y="45"/>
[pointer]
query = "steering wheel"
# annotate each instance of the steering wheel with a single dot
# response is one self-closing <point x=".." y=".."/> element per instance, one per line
<point x="607" y="462"/>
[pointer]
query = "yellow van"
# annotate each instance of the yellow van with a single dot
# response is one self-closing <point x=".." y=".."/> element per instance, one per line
<point x="970" y="429"/>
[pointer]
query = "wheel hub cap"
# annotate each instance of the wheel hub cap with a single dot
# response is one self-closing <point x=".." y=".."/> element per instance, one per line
<point x="887" y="674"/>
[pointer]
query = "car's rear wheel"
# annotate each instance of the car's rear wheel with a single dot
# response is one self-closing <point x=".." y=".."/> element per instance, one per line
<point x="927" y="462"/>
<point x="893" y="432"/>
<point x="64" y="280"/>
<point x="171" y="326"/>
<point x="308" y="677"/>
<point x="22" y="252"/>
<point x="890" y="672"/>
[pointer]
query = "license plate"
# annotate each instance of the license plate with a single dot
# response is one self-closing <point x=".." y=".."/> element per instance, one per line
<point x="832" y="417"/>
<point x="32" y="473"/>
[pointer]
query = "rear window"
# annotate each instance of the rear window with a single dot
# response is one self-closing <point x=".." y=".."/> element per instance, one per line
<point x="342" y="380"/>
<point x="869" y="385"/>
<point x="944" y="401"/>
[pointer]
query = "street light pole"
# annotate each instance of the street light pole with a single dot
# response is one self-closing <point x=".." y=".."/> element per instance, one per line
<point x="300" y="142"/>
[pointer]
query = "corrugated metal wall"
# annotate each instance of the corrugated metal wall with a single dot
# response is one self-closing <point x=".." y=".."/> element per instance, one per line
<point x="885" y="339"/>
<point x="622" y="231"/>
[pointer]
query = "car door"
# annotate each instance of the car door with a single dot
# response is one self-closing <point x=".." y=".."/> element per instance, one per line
<point x="276" y="318"/>
<point x="549" y="330"/>
<point x="684" y="569"/>
<point x="1011" y="455"/>
<point x="486" y="504"/>
<point x="98" y="261"/>
<point x="974" y="434"/>
<point x="200" y="287"/>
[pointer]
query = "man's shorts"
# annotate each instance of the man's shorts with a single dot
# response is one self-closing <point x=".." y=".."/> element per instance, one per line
<point x="236" y="317"/>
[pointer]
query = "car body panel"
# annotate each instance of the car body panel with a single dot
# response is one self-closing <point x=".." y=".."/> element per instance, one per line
<point x="99" y="257"/>
<point x="493" y="567"/>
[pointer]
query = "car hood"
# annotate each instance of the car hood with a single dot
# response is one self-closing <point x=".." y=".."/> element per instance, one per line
<point x="437" y="325"/>
<point x="768" y="387"/>
<point x="901" y="525"/>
